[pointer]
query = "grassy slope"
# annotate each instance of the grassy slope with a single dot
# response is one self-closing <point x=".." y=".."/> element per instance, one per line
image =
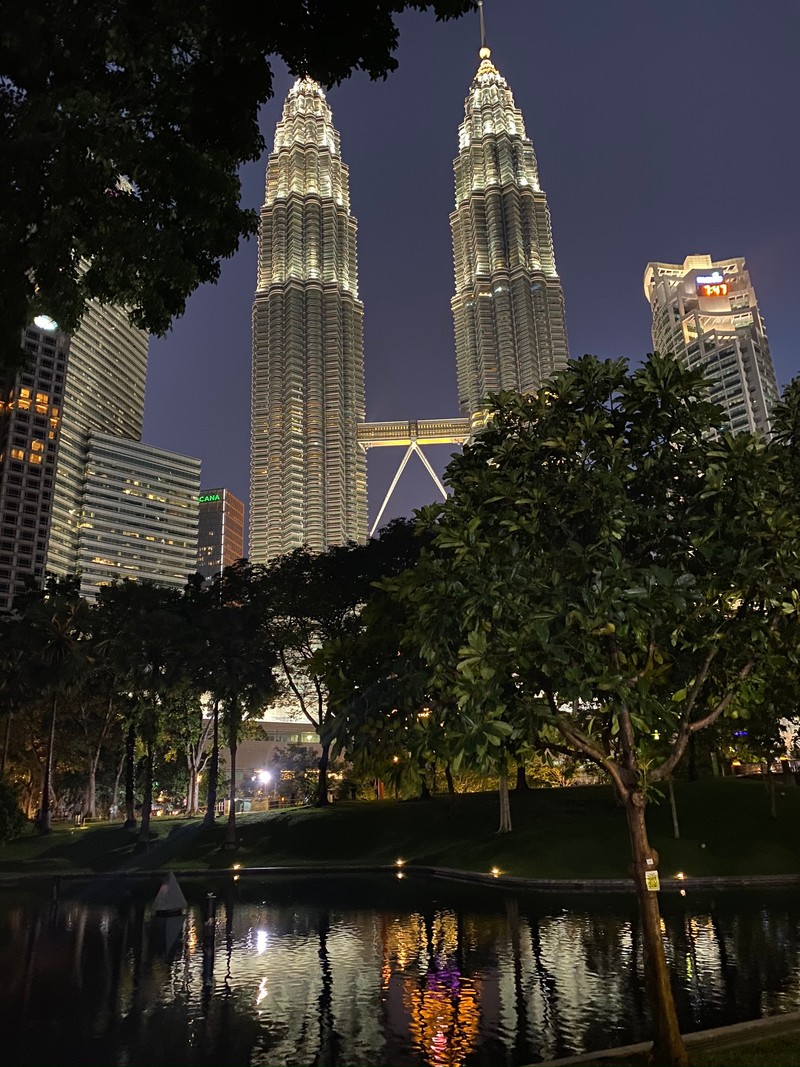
<point x="771" y="1050"/>
<point x="558" y="833"/>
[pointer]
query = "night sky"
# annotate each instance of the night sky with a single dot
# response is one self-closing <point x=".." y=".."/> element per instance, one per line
<point x="662" y="129"/>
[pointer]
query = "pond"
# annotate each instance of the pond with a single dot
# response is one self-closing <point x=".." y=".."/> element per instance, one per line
<point x="314" y="971"/>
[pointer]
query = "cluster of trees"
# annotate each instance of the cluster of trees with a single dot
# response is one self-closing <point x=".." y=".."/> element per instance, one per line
<point x="612" y="575"/>
<point x="151" y="677"/>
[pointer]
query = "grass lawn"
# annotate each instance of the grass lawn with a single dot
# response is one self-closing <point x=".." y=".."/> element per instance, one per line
<point x="771" y="1050"/>
<point x="558" y="833"/>
<point x="778" y="1051"/>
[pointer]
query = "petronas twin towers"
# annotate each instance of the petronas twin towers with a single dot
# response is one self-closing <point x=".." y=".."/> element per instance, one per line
<point x="308" y="464"/>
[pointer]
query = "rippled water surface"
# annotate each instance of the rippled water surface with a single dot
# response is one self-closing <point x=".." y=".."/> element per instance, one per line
<point x="377" y="971"/>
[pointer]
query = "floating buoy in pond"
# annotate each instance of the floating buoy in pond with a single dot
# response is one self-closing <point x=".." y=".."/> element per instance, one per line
<point x="170" y="899"/>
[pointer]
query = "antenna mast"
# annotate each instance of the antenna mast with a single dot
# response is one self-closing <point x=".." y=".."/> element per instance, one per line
<point x="484" y="53"/>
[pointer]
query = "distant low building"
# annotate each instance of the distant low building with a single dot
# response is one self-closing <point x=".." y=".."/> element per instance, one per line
<point x="220" y="538"/>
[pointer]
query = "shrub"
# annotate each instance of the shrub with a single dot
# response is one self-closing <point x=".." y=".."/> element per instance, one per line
<point x="12" y="821"/>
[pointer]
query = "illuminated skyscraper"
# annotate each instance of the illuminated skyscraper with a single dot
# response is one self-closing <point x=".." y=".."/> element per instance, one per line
<point x="75" y="383"/>
<point x="79" y="493"/>
<point x="307" y="473"/>
<point x="706" y="314"/>
<point x="508" y="306"/>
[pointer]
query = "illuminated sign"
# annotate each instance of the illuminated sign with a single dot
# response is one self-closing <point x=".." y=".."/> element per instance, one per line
<point x="208" y="498"/>
<point x="711" y="284"/>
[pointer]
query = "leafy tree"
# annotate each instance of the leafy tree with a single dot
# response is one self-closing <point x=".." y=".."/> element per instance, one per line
<point x="13" y="681"/>
<point x="312" y="604"/>
<point x="56" y="630"/>
<point x="12" y="821"/>
<point x="628" y="566"/>
<point x="296" y="767"/>
<point x="150" y="658"/>
<point x="124" y="124"/>
<point x="238" y="659"/>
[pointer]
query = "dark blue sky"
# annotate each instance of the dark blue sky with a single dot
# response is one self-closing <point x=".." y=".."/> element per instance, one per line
<point x="662" y="129"/>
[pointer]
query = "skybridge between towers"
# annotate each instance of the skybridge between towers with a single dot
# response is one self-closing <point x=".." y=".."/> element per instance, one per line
<point x="414" y="434"/>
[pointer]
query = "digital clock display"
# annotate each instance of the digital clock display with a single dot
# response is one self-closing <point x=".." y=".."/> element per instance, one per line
<point x="711" y="285"/>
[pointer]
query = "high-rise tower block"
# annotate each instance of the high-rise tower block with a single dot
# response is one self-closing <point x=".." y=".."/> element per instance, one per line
<point x="308" y="473"/>
<point x="705" y="313"/>
<point x="508" y="306"/>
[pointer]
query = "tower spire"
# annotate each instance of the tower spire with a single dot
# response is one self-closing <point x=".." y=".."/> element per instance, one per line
<point x="485" y="52"/>
<point x="508" y="308"/>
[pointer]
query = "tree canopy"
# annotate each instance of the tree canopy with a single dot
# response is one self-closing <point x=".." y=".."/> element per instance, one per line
<point x="612" y="567"/>
<point x="123" y="125"/>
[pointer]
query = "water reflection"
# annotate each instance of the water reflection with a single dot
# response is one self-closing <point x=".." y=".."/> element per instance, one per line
<point x="311" y="974"/>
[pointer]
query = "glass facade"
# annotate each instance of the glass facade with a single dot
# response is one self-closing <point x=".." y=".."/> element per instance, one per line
<point x="138" y="514"/>
<point x="220" y="538"/>
<point x="103" y="391"/>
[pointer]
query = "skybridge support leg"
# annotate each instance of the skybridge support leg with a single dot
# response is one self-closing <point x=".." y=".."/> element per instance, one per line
<point x="413" y="447"/>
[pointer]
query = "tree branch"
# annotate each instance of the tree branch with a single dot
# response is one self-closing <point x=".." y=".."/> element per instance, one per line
<point x="688" y="728"/>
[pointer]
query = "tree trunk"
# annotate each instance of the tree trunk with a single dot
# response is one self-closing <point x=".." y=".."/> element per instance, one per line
<point x="90" y="793"/>
<point x="143" y="843"/>
<point x="322" y="788"/>
<point x="770" y="783"/>
<point x="90" y="802"/>
<point x="676" y="830"/>
<point x="213" y="772"/>
<point x="195" y="764"/>
<point x="6" y="744"/>
<point x="191" y="791"/>
<point x="668" y="1047"/>
<point x="522" y="781"/>
<point x="130" y="777"/>
<point x="45" y="814"/>
<point x="229" y="845"/>
<point x="505" y="807"/>
<point x="448" y="776"/>
<point x="115" y="796"/>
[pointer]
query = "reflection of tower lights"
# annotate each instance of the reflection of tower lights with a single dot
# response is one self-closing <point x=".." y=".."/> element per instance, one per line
<point x="443" y="1018"/>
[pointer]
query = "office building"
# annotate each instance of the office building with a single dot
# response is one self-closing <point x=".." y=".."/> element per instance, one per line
<point x="103" y="391"/>
<point x="706" y="314"/>
<point x="93" y="379"/>
<point x="138" y="515"/>
<point x="508" y="307"/>
<point x="308" y="473"/>
<point x="220" y="539"/>
<point x="30" y="419"/>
